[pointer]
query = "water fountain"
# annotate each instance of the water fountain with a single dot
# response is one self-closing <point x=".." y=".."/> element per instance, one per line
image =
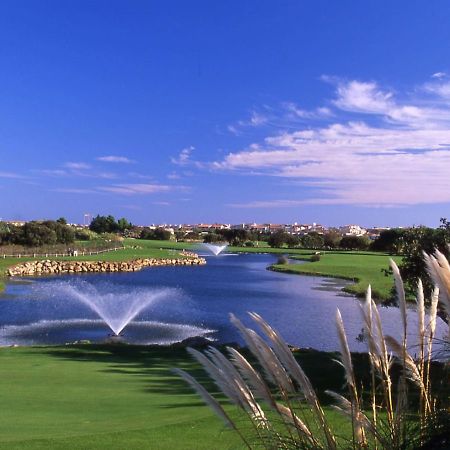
<point x="57" y="312"/>
<point x="215" y="249"/>
<point x="116" y="309"/>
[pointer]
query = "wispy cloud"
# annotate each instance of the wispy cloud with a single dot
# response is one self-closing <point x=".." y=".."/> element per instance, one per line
<point x="11" y="175"/>
<point x="139" y="188"/>
<point x="184" y="157"/>
<point x="115" y="159"/>
<point x="161" y="203"/>
<point x="77" y="165"/>
<point x="394" y="151"/>
<point x="75" y="191"/>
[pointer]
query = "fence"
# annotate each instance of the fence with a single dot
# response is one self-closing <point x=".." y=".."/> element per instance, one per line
<point x="74" y="252"/>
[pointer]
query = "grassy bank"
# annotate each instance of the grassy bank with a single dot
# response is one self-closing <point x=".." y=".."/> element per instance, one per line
<point x="363" y="269"/>
<point x="133" y="249"/>
<point x="117" y="397"/>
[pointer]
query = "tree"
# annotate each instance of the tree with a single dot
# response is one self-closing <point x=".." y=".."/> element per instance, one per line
<point x="157" y="234"/>
<point x="104" y="224"/>
<point x="355" y="242"/>
<point x="235" y="237"/>
<point x="62" y="221"/>
<point x="123" y="224"/>
<point x="332" y="239"/>
<point x="389" y="241"/>
<point x="415" y="241"/>
<point x="278" y="239"/>
<point x="313" y="240"/>
<point x="211" y="238"/>
<point x="36" y="234"/>
<point x="292" y="241"/>
<point x="64" y="233"/>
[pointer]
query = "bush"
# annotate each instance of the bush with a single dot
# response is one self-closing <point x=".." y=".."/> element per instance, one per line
<point x="283" y="260"/>
<point x="249" y="244"/>
<point x="157" y="234"/>
<point x="315" y="257"/>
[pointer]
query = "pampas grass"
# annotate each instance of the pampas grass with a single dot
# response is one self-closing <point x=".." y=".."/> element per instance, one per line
<point x="283" y="410"/>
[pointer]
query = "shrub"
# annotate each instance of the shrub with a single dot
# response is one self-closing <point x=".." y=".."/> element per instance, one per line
<point x="282" y="260"/>
<point x="315" y="257"/>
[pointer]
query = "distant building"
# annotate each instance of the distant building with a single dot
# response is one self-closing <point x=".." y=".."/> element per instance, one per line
<point x="352" y="230"/>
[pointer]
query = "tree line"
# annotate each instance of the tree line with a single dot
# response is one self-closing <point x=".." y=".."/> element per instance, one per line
<point x="37" y="234"/>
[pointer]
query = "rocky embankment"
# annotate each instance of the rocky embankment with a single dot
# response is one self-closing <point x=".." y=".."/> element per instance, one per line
<point x="49" y="267"/>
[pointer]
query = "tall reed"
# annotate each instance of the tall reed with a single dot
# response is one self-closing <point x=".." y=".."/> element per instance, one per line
<point x="281" y="408"/>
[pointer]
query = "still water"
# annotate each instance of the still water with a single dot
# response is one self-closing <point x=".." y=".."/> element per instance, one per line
<point x="175" y="303"/>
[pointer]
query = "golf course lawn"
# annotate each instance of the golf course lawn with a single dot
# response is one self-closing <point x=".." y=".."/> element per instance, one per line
<point x="362" y="269"/>
<point x="133" y="249"/>
<point x="117" y="397"/>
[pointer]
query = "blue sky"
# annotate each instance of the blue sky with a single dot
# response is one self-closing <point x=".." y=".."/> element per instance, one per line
<point x="236" y="111"/>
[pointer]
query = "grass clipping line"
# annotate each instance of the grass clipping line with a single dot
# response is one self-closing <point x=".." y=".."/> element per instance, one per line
<point x="280" y="407"/>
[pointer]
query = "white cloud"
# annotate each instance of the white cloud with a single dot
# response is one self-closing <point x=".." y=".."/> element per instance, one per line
<point x="115" y="159"/>
<point x="361" y="97"/>
<point x="396" y="153"/>
<point x="75" y="191"/>
<point x="11" y="175"/>
<point x="183" y="157"/>
<point x="137" y="188"/>
<point x="439" y="75"/>
<point x="161" y="203"/>
<point x="77" y="165"/>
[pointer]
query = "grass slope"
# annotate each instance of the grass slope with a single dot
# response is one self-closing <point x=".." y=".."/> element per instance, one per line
<point x="363" y="269"/>
<point x="134" y="249"/>
<point x="116" y="397"/>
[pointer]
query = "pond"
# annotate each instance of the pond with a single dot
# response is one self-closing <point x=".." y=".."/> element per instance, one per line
<point x="174" y="303"/>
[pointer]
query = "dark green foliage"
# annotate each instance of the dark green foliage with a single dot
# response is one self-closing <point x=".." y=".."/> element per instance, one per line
<point x="249" y="244"/>
<point x="159" y="234"/>
<point x="355" y="243"/>
<point x="34" y="234"/>
<point x="37" y="234"/>
<point x="211" y="238"/>
<point x="315" y="258"/>
<point x="235" y="237"/>
<point x="278" y="239"/>
<point x="332" y="239"/>
<point x="64" y="233"/>
<point x="313" y="240"/>
<point x="415" y="241"/>
<point x="123" y="224"/>
<point x="389" y="241"/>
<point x="292" y="241"/>
<point x="108" y="224"/>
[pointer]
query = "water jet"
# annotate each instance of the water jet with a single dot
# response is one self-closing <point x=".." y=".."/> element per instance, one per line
<point x="215" y="249"/>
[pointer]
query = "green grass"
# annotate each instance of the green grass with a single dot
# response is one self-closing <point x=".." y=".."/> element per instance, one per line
<point x="144" y="249"/>
<point x="116" y="397"/>
<point x="362" y="268"/>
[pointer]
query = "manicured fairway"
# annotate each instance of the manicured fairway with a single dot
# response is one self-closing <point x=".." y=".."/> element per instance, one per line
<point x="116" y="397"/>
<point x="102" y="397"/>
<point x="134" y="249"/>
<point x="363" y="269"/>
